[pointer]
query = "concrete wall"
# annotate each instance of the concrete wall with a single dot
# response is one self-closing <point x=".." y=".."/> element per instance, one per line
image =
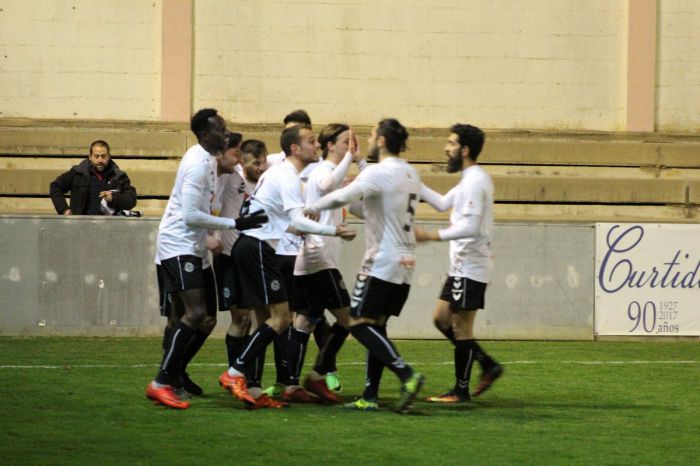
<point x="678" y="86"/>
<point x="95" y="276"/>
<point x="511" y="64"/>
<point x="505" y="63"/>
<point x="80" y="59"/>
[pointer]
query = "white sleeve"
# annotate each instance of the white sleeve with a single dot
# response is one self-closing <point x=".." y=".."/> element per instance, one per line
<point x="436" y="200"/>
<point x="306" y="225"/>
<point x="339" y="198"/>
<point x="466" y="228"/>
<point x="195" y="218"/>
<point x="334" y="178"/>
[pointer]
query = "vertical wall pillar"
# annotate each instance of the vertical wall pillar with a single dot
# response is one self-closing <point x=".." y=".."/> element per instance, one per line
<point x="176" y="61"/>
<point x="641" y="65"/>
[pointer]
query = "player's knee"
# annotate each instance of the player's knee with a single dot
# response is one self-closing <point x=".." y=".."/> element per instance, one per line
<point x="208" y="323"/>
<point x="280" y="322"/>
<point x="240" y="319"/>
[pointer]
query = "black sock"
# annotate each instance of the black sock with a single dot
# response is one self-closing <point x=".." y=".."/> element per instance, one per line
<point x="234" y="347"/>
<point x="280" y="349"/>
<point x="326" y="359"/>
<point x="167" y="338"/>
<point x="259" y="340"/>
<point x="464" y="359"/>
<point x="296" y="351"/>
<point x="255" y="371"/>
<point x="172" y="359"/>
<point x="193" y="348"/>
<point x="380" y="346"/>
<point x="373" y="376"/>
<point x="321" y="332"/>
<point x="485" y="361"/>
<point x="448" y="332"/>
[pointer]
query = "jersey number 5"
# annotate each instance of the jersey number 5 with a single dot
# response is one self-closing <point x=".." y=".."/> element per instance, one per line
<point x="411" y="210"/>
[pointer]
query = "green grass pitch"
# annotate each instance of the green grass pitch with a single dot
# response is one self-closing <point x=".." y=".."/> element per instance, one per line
<point x="80" y="401"/>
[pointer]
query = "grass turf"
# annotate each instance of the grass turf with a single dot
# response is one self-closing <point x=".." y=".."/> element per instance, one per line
<point x="80" y="401"/>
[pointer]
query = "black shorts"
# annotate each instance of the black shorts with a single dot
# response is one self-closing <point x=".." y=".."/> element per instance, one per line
<point x="286" y="263"/>
<point x="182" y="273"/>
<point x="259" y="275"/>
<point x="225" y="271"/>
<point x="463" y="294"/>
<point x="373" y="297"/>
<point x="319" y="291"/>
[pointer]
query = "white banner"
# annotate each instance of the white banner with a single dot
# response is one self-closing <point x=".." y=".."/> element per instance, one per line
<point x="647" y="279"/>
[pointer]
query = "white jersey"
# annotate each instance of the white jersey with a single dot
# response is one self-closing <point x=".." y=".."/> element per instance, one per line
<point x="319" y="252"/>
<point x="289" y="244"/>
<point x="231" y="191"/>
<point x="274" y="159"/>
<point x="471" y="257"/>
<point x="390" y="194"/>
<point x="278" y="191"/>
<point x="196" y="173"/>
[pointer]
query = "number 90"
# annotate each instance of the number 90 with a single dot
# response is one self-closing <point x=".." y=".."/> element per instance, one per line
<point x="636" y="313"/>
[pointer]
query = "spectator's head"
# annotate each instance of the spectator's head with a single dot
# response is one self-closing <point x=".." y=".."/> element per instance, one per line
<point x="334" y="139"/>
<point x="99" y="155"/>
<point x="300" y="141"/>
<point x="231" y="156"/>
<point x="210" y="130"/>
<point x="463" y="143"/>
<point x="297" y="117"/>
<point x="254" y="157"/>
<point x="389" y="136"/>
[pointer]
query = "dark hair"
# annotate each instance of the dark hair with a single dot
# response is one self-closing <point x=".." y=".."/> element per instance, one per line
<point x="200" y="121"/>
<point x="233" y="140"/>
<point x="291" y="135"/>
<point x="469" y="136"/>
<point x="330" y="134"/>
<point x="298" y="116"/>
<point x="253" y="146"/>
<point x="99" y="142"/>
<point x="394" y="134"/>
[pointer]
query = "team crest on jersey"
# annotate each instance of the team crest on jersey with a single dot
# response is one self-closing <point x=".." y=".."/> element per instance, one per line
<point x="189" y="267"/>
<point x="275" y="285"/>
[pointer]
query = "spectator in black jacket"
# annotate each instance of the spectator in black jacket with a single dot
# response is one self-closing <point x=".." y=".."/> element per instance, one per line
<point x="91" y="182"/>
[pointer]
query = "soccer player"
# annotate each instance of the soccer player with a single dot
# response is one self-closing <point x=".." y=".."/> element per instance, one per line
<point x="186" y="281"/>
<point x="316" y="276"/>
<point x="278" y="193"/>
<point x="469" y="234"/>
<point x="389" y="191"/>
<point x="232" y="191"/>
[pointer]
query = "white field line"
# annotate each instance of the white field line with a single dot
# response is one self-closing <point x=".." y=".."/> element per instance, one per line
<point x="356" y="363"/>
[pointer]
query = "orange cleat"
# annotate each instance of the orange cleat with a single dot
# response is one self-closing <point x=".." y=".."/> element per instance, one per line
<point x="320" y="389"/>
<point x="236" y="384"/>
<point x="265" y="401"/>
<point x="487" y="379"/>
<point x="298" y="395"/>
<point x="165" y="396"/>
<point x="449" y="397"/>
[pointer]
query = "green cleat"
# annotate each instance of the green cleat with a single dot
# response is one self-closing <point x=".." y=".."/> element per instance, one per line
<point x="409" y="391"/>
<point x="333" y="382"/>
<point x="275" y="390"/>
<point x="361" y="404"/>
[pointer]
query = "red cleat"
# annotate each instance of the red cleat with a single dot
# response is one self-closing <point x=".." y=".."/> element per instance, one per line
<point x="298" y="395"/>
<point x="236" y="384"/>
<point x="320" y="389"/>
<point x="265" y="401"/>
<point x="165" y="396"/>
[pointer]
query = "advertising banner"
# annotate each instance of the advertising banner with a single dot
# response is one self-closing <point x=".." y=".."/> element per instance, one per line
<point x="647" y="279"/>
